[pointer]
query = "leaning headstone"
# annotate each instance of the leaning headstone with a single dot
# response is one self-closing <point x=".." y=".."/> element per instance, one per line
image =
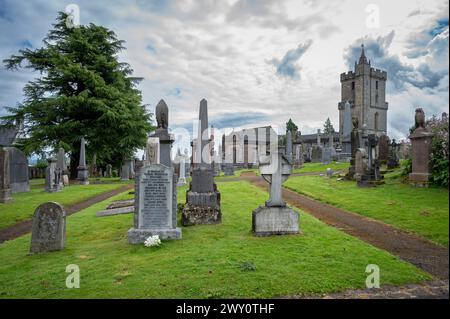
<point x="275" y="218"/>
<point x="5" y="187"/>
<point x="83" y="172"/>
<point x="52" y="176"/>
<point x="154" y="209"/>
<point x="202" y="198"/>
<point x="421" y="140"/>
<point x="48" y="232"/>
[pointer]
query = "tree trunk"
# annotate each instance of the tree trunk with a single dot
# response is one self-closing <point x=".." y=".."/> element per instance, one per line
<point x="74" y="162"/>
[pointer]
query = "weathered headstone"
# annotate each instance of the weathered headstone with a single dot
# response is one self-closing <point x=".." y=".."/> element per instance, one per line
<point x="202" y="198"/>
<point x="93" y="167"/>
<point x="83" y="172"/>
<point x="383" y="149"/>
<point x="360" y="163"/>
<point x="5" y="186"/>
<point x="372" y="175"/>
<point x="18" y="170"/>
<point x="326" y="155"/>
<point x="182" y="178"/>
<point x="63" y="167"/>
<point x="421" y="140"/>
<point x="48" y="232"/>
<point x="109" y="172"/>
<point x="125" y="171"/>
<point x="228" y="169"/>
<point x="316" y="154"/>
<point x="53" y="176"/>
<point x="275" y="218"/>
<point x="154" y="213"/>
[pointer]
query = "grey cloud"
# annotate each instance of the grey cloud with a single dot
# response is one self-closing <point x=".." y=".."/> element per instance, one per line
<point x="287" y="65"/>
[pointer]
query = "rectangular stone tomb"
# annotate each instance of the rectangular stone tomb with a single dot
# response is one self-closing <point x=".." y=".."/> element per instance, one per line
<point x="154" y="213"/>
<point x="116" y="211"/>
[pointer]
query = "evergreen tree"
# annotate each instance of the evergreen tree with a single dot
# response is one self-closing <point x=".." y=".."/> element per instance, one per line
<point x="290" y="126"/>
<point x="328" y="127"/>
<point x="83" y="91"/>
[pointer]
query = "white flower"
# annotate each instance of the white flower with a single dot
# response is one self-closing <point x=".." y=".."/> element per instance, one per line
<point x="152" y="241"/>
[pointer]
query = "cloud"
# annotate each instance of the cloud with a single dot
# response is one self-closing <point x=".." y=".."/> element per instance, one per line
<point x="287" y="65"/>
<point x="400" y="74"/>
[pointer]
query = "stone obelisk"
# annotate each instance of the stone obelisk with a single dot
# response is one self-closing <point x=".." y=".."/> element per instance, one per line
<point x="202" y="198"/>
<point x="83" y="172"/>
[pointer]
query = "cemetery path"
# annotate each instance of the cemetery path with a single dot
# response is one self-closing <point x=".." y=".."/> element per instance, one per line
<point x="420" y="252"/>
<point x="24" y="227"/>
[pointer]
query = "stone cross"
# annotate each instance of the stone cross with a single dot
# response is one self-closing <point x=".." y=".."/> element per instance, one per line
<point x="48" y="232"/>
<point x="5" y="187"/>
<point x="52" y="176"/>
<point x="83" y="173"/>
<point x="275" y="169"/>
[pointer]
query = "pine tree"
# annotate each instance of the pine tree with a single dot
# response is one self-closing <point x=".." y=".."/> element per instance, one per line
<point x="290" y="126"/>
<point x="83" y="91"/>
<point x="328" y="127"/>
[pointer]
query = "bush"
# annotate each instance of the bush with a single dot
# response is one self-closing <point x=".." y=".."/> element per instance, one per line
<point x="440" y="150"/>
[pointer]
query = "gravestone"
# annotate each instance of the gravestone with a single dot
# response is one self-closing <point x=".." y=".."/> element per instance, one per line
<point x="53" y="176"/>
<point x="330" y="172"/>
<point x="393" y="160"/>
<point x="298" y="161"/>
<point x="63" y="167"/>
<point x="182" y="178"/>
<point x="48" y="232"/>
<point x="165" y="143"/>
<point x="326" y="155"/>
<point x="360" y="163"/>
<point x="202" y="198"/>
<point x="109" y="172"/>
<point x="83" y="172"/>
<point x="275" y="218"/>
<point x="383" y="149"/>
<point x="18" y="171"/>
<point x="125" y="171"/>
<point x="355" y="145"/>
<point x="93" y="167"/>
<point x="228" y="169"/>
<point x="152" y="151"/>
<point x="154" y="209"/>
<point x="372" y="176"/>
<point x="316" y="154"/>
<point x="421" y="140"/>
<point x="5" y="186"/>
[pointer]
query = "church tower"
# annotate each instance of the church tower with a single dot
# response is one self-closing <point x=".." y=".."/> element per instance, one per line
<point x="365" y="91"/>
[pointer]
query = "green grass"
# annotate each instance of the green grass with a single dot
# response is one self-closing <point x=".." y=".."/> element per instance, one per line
<point x="23" y="204"/>
<point x="319" y="167"/>
<point x="211" y="261"/>
<point x="423" y="211"/>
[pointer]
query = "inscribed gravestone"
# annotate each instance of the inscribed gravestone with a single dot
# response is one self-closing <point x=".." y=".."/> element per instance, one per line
<point x="48" y="231"/>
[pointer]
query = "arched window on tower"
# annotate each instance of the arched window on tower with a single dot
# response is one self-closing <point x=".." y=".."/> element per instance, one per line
<point x="375" y="124"/>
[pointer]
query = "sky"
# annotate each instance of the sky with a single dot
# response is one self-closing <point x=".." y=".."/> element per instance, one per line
<point x="257" y="62"/>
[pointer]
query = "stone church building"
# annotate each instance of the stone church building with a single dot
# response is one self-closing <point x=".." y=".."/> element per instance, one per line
<point x="363" y="96"/>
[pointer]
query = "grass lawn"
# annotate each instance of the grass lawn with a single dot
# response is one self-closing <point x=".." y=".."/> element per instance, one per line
<point x="423" y="211"/>
<point x="211" y="261"/>
<point x="319" y="167"/>
<point x="23" y="204"/>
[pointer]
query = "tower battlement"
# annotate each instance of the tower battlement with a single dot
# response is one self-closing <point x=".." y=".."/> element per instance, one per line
<point x="350" y="75"/>
<point x="377" y="73"/>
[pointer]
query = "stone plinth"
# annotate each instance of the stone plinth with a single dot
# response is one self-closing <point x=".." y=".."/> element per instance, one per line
<point x="268" y="221"/>
<point x="421" y="149"/>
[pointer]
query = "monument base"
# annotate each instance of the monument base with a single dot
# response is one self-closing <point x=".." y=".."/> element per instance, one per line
<point x="419" y="179"/>
<point x="138" y="236"/>
<point x="268" y="221"/>
<point x="197" y="215"/>
<point x="5" y="195"/>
